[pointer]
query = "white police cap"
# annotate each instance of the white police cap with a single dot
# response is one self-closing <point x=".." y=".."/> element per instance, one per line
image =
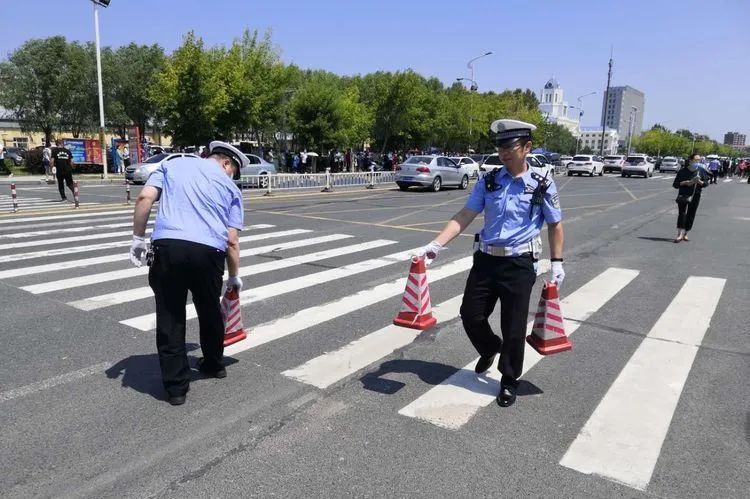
<point x="217" y="146"/>
<point x="508" y="131"/>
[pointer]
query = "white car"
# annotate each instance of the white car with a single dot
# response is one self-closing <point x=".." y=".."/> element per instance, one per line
<point x="669" y="164"/>
<point x="465" y="161"/>
<point x="638" y="164"/>
<point x="614" y="163"/>
<point x="588" y="164"/>
<point x="493" y="161"/>
<point x="140" y="172"/>
<point x="540" y="162"/>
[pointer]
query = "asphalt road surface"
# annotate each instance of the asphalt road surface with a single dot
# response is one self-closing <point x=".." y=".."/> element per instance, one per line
<point x="327" y="399"/>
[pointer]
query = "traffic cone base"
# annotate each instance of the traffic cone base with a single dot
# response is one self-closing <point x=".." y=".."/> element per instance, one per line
<point x="232" y="338"/>
<point x="548" y="333"/>
<point x="416" y="310"/>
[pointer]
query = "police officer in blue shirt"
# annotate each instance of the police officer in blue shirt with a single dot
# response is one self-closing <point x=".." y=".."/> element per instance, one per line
<point x="516" y="201"/>
<point x="197" y="228"/>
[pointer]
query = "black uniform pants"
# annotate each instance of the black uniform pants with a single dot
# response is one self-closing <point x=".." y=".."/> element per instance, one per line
<point x="180" y="266"/>
<point x="686" y="213"/>
<point x="509" y="279"/>
<point x="63" y="178"/>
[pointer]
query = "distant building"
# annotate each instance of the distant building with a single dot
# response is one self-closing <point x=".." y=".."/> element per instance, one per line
<point x="555" y="108"/>
<point x="734" y="139"/>
<point x="591" y="137"/>
<point x="618" y="107"/>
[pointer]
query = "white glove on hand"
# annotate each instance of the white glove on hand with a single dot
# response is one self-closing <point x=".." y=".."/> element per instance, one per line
<point x="234" y="282"/>
<point x="558" y="274"/>
<point x="430" y="252"/>
<point x="138" y="250"/>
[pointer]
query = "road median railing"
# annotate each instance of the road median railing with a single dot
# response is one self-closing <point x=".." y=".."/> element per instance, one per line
<point x="324" y="182"/>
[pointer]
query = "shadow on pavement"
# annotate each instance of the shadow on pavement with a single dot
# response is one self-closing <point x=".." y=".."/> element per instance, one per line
<point x="657" y="239"/>
<point x="142" y="373"/>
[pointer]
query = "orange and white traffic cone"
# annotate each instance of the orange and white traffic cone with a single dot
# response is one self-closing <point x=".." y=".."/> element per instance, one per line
<point x="230" y="311"/>
<point x="548" y="334"/>
<point x="416" y="310"/>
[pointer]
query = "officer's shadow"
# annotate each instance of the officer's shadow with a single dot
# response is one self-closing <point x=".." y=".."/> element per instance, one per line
<point x="142" y="372"/>
<point x="434" y="373"/>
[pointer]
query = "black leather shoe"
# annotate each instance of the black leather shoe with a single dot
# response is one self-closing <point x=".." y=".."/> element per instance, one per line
<point x="213" y="373"/>
<point x="507" y="396"/>
<point x="176" y="399"/>
<point x="483" y="364"/>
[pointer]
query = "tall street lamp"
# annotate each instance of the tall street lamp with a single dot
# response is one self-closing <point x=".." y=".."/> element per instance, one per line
<point x="470" y="66"/>
<point x="580" y="115"/>
<point x="103" y="3"/>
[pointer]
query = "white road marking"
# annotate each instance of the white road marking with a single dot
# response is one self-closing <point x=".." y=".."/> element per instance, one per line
<point x="727" y="180"/>
<point x="622" y="439"/>
<point x="138" y="293"/>
<point x="52" y="267"/>
<point x="65" y="217"/>
<point x="23" y="235"/>
<point x="118" y="244"/>
<point x="66" y="223"/>
<point x="658" y="177"/>
<point x="319" y="314"/>
<point x="130" y="295"/>
<point x="452" y="403"/>
<point x="331" y="367"/>
<point x="148" y="322"/>
<point x="52" y="382"/>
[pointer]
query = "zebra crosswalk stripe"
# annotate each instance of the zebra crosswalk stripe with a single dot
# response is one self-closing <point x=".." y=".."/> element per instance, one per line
<point x="65" y="217"/>
<point x="147" y="322"/>
<point x="623" y="437"/>
<point x="452" y="403"/>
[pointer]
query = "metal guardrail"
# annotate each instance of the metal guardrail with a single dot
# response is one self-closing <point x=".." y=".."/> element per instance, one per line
<point x="326" y="182"/>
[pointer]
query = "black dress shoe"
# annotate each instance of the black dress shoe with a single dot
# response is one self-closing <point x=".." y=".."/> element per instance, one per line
<point x="483" y="364"/>
<point x="176" y="399"/>
<point x="507" y="396"/>
<point x="220" y="373"/>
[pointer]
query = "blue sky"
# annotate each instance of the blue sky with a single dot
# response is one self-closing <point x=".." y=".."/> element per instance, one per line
<point x="689" y="57"/>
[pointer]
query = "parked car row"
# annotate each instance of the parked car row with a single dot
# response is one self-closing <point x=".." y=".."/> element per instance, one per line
<point x="432" y="172"/>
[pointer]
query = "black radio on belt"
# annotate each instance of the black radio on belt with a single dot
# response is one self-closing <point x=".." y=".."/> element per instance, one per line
<point x="489" y="180"/>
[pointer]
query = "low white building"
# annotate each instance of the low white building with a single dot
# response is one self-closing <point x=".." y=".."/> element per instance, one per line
<point x="592" y="137"/>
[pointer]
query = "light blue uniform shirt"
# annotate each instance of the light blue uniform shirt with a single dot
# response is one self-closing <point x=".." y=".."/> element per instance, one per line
<point x="508" y="219"/>
<point x="198" y="202"/>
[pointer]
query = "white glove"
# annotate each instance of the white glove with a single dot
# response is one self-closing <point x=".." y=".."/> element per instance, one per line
<point x="558" y="274"/>
<point x="430" y="252"/>
<point x="138" y="250"/>
<point x="234" y="282"/>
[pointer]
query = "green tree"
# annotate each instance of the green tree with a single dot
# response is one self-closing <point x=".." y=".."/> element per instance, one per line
<point x="80" y="114"/>
<point x="556" y="138"/>
<point x="189" y="93"/>
<point x="33" y="84"/>
<point x="317" y="112"/>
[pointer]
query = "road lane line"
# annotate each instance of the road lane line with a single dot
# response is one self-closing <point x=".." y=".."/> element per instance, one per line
<point x="65" y="217"/>
<point x="46" y="384"/>
<point x="23" y="235"/>
<point x="331" y="367"/>
<point x="138" y="293"/>
<point x="452" y="403"/>
<point x="120" y="297"/>
<point x="93" y="247"/>
<point x="67" y="222"/>
<point x="319" y="314"/>
<point x="148" y="322"/>
<point x="623" y="437"/>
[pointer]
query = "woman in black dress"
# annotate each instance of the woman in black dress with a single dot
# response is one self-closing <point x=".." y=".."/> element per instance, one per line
<point x="689" y="183"/>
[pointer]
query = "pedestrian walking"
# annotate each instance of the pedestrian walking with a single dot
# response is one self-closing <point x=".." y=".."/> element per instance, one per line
<point x="62" y="165"/>
<point x="47" y="161"/>
<point x="197" y="228"/>
<point x="689" y="183"/>
<point x="303" y="161"/>
<point x="713" y="168"/>
<point x="516" y="202"/>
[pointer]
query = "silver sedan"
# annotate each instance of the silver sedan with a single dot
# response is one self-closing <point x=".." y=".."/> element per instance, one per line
<point x="140" y="172"/>
<point x="431" y="171"/>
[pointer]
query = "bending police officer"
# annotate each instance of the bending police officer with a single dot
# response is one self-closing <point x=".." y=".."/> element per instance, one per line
<point x="516" y="202"/>
<point x="197" y="228"/>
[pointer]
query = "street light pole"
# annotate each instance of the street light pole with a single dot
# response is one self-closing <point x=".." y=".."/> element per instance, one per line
<point x="580" y="115"/>
<point x="470" y="65"/>
<point x="630" y="126"/>
<point x="101" y="94"/>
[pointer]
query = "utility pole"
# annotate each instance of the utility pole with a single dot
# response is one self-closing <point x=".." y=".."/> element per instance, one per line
<point x="606" y="103"/>
<point x="474" y="88"/>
